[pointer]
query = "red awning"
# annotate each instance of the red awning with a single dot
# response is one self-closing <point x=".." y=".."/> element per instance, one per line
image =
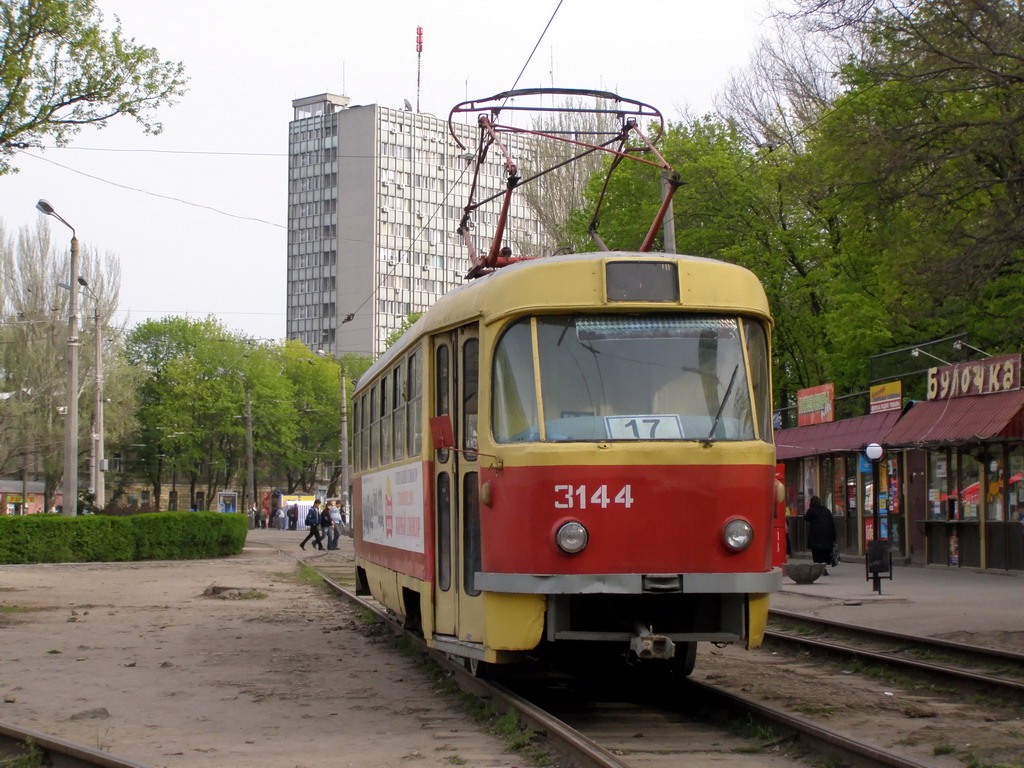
<point x="961" y="420"/>
<point x="834" y="437"/>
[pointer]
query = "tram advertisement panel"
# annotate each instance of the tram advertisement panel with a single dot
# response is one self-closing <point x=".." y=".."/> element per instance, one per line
<point x="393" y="508"/>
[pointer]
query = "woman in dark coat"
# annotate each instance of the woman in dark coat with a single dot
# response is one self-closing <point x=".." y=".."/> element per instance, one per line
<point x="821" y="531"/>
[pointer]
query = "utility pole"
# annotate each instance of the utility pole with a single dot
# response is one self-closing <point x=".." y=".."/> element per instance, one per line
<point x="344" y="439"/>
<point x="70" y="505"/>
<point x="99" y="484"/>
<point x="248" y="447"/>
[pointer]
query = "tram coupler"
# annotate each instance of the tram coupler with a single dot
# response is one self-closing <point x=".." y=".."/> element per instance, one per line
<point x="647" y="645"/>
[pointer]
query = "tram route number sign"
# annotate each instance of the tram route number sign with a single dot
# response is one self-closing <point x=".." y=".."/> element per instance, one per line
<point x="653" y="426"/>
<point x="580" y="496"/>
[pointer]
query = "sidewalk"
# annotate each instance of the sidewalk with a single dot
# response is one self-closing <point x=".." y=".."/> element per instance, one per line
<point x="931" y="601"/>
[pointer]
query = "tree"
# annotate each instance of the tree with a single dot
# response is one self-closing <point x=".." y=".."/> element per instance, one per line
<point x="61" y="70"/>
<point x="407" y="323"/>
<point x="34" y="315"/>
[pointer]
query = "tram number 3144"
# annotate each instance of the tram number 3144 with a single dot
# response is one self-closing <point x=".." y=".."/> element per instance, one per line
<point x="579" y="496"/>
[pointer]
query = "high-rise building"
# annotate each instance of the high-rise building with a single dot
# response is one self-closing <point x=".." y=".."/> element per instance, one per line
<point x="375" y="196"/>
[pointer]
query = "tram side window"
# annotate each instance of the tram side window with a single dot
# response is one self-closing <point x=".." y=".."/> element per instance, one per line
<point x="364" y="460"/>
<point x="441" y="385"/>
<point x="386" y="456"/>
<point x="513" y="390"/>
<point x="398" y="394"/>
<point x="357" y="437"/>
<point x="444" y="531"/>
<point x="414" y="436"/>
<point x="471" y="562"/>
<point x="760" y="376"/>
<point x="470" y="396"/>
<point x="374" y="428"/>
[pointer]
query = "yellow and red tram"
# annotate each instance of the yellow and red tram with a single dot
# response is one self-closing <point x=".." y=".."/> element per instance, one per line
<point x="574" y="452"/>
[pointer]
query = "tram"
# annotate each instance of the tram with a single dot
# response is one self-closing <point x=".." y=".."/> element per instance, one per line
<point x="573" y="454"/>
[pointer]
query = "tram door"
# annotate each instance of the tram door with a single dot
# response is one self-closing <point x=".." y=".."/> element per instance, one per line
<point x="456" y="394"/>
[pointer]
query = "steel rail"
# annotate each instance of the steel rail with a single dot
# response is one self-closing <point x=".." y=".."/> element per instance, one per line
<point x="825" y="739"/>
<point x="889" y="658"/>
<point x="588" y="753"/>
<point x="58" y="752"/>
<point x="963" y="649"/>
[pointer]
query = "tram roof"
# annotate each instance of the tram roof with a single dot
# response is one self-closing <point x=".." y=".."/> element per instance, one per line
<point x="576" y="281"/>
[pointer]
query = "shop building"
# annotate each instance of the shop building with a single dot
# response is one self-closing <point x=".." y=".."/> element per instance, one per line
<point x="951" y="482"/>
<point x="827" y="460"/>
<point x="967" y="444"/>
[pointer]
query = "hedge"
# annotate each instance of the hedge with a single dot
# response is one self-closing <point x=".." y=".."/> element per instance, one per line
<point x="48" y="538"/>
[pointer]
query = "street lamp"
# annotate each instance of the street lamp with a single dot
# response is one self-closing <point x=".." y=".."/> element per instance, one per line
<point x="70" y="506"/>
<point x="875" y="549"/>
<point x="97" y="468"/>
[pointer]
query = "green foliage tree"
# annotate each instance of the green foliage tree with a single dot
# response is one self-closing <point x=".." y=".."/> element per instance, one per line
<point x="61" y="70"/>
<point x="396" y="334"/>
<point x="34" y="300"/>
<point x="202" y="385"/>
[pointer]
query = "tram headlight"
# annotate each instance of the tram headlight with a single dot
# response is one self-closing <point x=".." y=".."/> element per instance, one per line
<point x="737" y="535"/>
<point x="572" y="537"/>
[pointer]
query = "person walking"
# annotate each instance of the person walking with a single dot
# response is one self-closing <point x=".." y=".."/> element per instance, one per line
<point x="335" y="530"/>
<point x="326" y="524"/>
<point x="313" y="521"/>
<point x="821" y="532"/>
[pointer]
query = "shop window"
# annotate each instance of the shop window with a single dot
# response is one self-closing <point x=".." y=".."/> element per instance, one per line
<point x="940" y="505"/>
<point x="994" y="487"/>
<point x="1015" y="485"/>
<point x="969" y="486"/>
<point x="826" y="486"/>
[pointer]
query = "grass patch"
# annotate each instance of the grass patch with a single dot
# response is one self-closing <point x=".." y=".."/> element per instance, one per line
<point x="307" y="575"/>
<point x="748" y="728"/>
<point x="943" y="749"/>
<point x="13" y="609"/>
<point x="253" y="594"/>
<point x="33" y="757"/>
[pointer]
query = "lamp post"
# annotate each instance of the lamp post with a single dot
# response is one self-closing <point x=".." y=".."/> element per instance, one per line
<point x="875" y="553"/>
<point x="70" y="506"/>
<point x="96" y="465"/>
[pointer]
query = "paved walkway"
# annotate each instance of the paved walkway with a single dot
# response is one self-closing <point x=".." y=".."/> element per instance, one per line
<point x="919" y="600"/>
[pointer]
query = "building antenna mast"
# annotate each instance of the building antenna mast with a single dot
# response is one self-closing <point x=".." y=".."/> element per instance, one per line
<point x="419" y="59"/>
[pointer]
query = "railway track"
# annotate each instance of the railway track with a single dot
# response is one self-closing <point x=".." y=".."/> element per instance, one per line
<point x="993" y="671"/>
<point x="52" y="751"/>
<point x="615" y="726"/>
<point x="622" y="726"/>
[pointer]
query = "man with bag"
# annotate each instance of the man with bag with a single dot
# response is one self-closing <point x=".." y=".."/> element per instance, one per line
<point x="313" y="521"/>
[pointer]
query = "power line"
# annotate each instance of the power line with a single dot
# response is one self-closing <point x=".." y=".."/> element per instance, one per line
<point x="154" y="194"/>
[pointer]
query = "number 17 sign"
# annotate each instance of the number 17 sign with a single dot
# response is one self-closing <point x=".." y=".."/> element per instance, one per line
<point x="644" y="427"/>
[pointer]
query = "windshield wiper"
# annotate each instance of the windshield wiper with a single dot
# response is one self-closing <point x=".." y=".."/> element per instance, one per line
<point x="721" y="409"/>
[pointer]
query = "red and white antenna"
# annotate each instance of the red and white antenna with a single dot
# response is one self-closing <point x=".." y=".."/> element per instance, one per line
<point x="419" y="58"/>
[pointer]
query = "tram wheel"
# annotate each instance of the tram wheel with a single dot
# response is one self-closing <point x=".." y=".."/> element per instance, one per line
<point x="684" y="661"/>
<point x="479" y="669"/>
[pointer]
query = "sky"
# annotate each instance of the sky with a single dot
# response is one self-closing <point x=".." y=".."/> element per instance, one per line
<point x="197" y="215"/>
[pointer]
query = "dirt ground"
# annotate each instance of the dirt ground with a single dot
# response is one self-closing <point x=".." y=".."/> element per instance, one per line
<point x="136" y="660"/>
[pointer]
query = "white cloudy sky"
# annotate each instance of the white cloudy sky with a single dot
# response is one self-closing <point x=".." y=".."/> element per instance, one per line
<point x="223" y="146"/>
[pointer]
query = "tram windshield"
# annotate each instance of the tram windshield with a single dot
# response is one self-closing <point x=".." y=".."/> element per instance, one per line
<point x="620" y="377"/>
